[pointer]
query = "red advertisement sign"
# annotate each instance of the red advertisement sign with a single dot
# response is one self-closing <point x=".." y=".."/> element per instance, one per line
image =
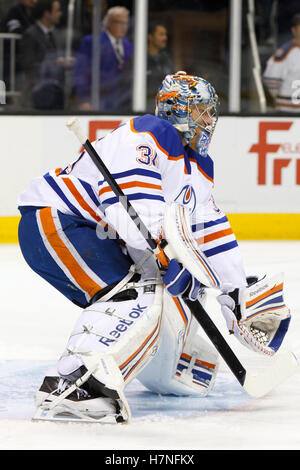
<point x="263" y="149"/>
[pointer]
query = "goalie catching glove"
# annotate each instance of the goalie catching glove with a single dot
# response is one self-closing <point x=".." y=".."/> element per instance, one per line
<point x="257" y="314"/>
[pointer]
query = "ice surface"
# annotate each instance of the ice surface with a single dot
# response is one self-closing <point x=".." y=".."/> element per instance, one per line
<point x="35" y="324"/>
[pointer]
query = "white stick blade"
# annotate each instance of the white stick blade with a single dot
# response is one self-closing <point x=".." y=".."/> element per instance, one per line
<point x="282" y="368"/>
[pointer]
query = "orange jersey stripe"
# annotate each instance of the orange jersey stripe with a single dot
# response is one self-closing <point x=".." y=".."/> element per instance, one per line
<point x="83" y="280"/>
<point x="180" y="157"/>
<point x="216" y="235"/>
<point x="132" y="184"/>
<point x="72" y="188"/>
<point x="265" y="294"/>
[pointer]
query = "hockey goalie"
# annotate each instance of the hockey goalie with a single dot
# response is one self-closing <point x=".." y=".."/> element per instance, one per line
<point x="133" y="320"/>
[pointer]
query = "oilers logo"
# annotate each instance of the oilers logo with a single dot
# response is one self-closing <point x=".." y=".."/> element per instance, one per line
<point x="187" y="197"/>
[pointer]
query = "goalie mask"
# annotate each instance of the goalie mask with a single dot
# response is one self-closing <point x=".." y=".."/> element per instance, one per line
<point x="189" y="103"/>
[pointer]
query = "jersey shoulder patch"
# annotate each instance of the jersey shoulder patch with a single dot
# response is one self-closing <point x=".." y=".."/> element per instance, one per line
<point x="163" y="133"/>
<point x="284" y="50"/>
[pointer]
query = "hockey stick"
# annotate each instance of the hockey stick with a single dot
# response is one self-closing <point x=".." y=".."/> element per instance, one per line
<point x="256" y="386"/>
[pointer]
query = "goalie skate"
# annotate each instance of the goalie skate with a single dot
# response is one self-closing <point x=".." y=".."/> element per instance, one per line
<point x="60" y="400"/>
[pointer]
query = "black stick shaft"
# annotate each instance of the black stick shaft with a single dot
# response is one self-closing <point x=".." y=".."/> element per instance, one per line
<point x="217" y="339"/>
<point x="119" y="193"/>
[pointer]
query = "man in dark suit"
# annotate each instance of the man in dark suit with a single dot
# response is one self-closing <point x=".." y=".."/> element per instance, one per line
<point x="115" y="65"/>
<point x="42" y="67"/>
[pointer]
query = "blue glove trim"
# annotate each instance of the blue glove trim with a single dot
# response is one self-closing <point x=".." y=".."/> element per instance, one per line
<point x="280" y="334"/>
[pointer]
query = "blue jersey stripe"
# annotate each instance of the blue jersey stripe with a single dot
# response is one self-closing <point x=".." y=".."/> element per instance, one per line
<point x="60" y="193"/>
<point x="90" y="192"/>
<point x="212" y="223"/>
<point x="136" y="171"/>
<point x="220" y="248"/>
<point x="132" y="197"/>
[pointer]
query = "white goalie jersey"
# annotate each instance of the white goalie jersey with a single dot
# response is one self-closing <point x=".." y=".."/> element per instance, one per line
<point x="282" y="77"/>
<point x="153" y="168"/>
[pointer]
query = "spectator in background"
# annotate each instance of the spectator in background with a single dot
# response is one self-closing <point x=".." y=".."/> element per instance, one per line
<point x="83" y="24"/>
<point x="159" y="62"/>
<point x="43" y="64"/>
<point x="19" y="17"/>
<point x="16" y="21"/>
<point x="282" y="73"/>
<point x="87" y="16"/>
<point x="115" y="65"/>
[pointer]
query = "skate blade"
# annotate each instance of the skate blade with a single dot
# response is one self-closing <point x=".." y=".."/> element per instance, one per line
<point x="61" y="414"/>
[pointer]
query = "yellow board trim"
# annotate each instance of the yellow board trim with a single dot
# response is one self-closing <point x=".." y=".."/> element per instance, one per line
<point x="9" y="229"/>
<point x="245" y="227"/>
<point x="265" y="226"/>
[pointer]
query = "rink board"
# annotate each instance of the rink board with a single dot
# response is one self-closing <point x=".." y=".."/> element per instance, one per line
<point x="257" y="168"/>
<point x="245" y="227"/>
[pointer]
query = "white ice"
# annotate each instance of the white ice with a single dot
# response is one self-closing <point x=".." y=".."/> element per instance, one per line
<point x="35" y="324"/>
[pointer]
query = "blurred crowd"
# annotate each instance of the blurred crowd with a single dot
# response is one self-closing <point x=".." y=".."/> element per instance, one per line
<point x="42" y="73"/>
